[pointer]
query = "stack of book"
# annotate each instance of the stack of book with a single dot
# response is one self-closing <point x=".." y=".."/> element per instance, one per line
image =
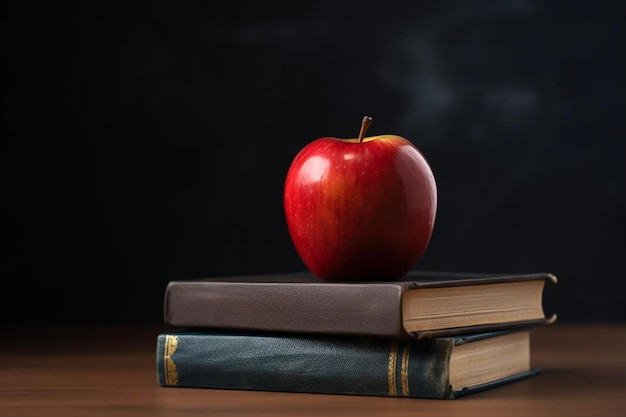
<point x="429" y="335"/>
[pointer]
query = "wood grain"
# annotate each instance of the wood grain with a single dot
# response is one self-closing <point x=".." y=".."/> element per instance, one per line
<point x="97" y="371"/>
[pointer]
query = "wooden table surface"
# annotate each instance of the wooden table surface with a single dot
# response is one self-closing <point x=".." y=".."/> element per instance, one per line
<point x="111" y="372"/>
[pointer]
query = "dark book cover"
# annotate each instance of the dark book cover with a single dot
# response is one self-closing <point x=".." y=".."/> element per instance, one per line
<point x="321" y="364"/>
<point x="299" y="302"/>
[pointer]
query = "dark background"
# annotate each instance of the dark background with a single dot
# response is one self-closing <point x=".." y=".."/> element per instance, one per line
<point x="145" y="142"/>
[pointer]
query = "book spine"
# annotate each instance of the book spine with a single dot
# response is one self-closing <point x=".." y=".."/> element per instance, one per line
<point x="366" y="310"/>
<point x="374" y="367"/>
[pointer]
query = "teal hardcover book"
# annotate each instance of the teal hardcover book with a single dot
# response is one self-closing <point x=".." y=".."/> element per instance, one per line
<point x="440" y="368"/>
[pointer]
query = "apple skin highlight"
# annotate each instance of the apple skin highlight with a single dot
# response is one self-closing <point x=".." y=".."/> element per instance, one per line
<point x="360" y="210"/>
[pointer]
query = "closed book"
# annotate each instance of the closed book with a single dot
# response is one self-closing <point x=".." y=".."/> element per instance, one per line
<point x="422" y="304"/>
<point x="438" y="368"/>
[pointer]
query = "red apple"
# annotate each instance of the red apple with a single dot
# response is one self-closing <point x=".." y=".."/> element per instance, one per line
<point x="360" y="209"/>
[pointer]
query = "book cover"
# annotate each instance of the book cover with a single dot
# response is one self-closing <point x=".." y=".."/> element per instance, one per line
<point x="422" y="304"/>
<point x="437" y="368"/>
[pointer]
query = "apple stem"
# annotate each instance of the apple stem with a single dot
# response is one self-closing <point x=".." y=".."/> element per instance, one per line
<point x="367" y="121"/>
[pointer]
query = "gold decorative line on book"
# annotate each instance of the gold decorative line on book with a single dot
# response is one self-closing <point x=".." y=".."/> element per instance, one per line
<point x="405" y="370"/>
<point x="171" y="374"/>
<point x="391" y="372"/>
